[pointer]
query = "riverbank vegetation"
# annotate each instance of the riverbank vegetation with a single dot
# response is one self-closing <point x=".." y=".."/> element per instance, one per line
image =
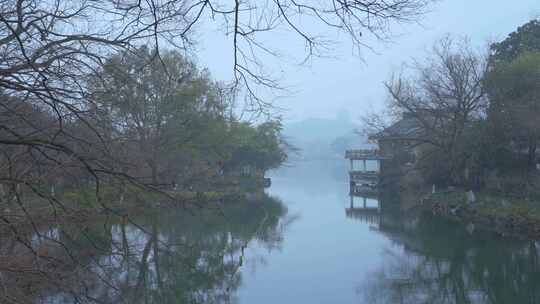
<point x="108" y="94"/>
<point x="468" y="120"/>
<point x="104" y="106"/>
<point x="163" y="125"/>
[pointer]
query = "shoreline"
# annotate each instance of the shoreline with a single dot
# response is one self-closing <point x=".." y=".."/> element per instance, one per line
<point x="517" y="221"/>
<point x="132" y="206"/>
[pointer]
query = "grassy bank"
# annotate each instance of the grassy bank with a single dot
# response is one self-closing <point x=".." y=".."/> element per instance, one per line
<point x="504" y="215"/>
<point x="82" y="204"/>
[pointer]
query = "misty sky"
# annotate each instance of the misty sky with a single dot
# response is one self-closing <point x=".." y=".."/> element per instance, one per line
<point x="353" y="83"/>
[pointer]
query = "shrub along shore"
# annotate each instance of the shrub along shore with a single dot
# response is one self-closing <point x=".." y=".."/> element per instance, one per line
<point x="509" y="217"/>
<point x="468" y="119"/>
<point x="83" y="205"/>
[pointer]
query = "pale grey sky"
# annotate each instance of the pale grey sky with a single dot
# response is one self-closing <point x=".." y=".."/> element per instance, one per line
<point x="353" y="83"/>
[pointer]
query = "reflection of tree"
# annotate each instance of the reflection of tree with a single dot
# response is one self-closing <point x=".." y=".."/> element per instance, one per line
<point x="439" y="262"/>
<point x="172" y="257"/>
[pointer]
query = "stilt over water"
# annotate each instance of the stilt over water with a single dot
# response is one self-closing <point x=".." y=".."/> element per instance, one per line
<point x="369" y="214"/>
<point x="363" y="181"/>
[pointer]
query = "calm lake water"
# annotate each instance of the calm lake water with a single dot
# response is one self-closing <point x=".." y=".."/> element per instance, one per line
<point x="301" y="243"/>
<point x="333" y="256"/>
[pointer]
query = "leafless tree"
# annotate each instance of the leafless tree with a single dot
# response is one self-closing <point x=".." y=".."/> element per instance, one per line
<point x="445" y="92"/>
<point x="440" y="95"/>
<point x="49" y="47"/>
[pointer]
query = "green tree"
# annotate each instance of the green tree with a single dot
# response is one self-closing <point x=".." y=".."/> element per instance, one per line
<point x="260" y="147"/>
<point x="161" y="105"/>
<point x="503" y="128"/>
<point x="525" y="39"/>
<point x="515" y="103"/>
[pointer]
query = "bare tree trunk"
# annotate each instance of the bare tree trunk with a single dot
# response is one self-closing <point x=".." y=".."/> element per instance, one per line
<point x="143" y="268"/>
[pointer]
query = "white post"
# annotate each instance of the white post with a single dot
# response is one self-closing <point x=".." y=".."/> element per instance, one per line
<point x="471" y="198"/>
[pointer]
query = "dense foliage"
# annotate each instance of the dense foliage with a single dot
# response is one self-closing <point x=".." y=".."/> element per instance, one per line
<point x="177" y="121"/>
<point x="475" y="117"/>
<point x="160" y="122"/>
<point x="514" y="89"/>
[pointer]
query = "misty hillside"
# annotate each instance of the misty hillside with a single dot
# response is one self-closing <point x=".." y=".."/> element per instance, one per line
<point x="319" y="138"/>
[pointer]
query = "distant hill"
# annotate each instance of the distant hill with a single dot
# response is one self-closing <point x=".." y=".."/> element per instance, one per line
<point x="319" y="138"/>
<point x="317" y="129"/>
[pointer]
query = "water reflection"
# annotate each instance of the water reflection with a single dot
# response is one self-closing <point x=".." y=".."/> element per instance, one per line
<point x="337" y="252"/>
<point x="365" y="209"/>
<point x="164" y="257"/>
<point x="433" y="260"/>
<point x="436" y="261"/>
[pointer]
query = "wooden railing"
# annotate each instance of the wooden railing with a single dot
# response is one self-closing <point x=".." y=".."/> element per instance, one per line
<point x="364" y="175"/>
<point x="363" y="154"/>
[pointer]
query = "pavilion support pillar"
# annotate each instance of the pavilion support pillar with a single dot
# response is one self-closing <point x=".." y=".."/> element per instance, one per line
<point x="352" y="164"/>
<point x="365" y="166"/>
<point x="365" y="202"/>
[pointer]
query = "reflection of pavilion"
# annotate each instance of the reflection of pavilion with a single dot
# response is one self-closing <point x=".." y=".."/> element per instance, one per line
<point x="364" y="185"/>
<point x="364" y="210"/>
